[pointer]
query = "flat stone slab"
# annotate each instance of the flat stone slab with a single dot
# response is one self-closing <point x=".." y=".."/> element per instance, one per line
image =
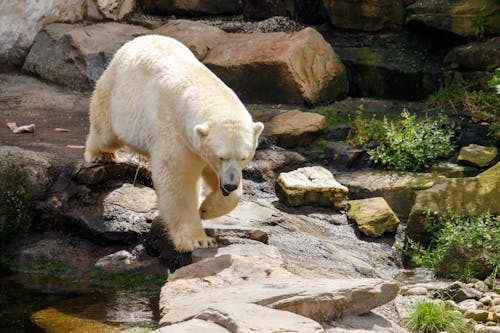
<point x="193" y="326"/>
<point x="241" y="247"/>
<point x="477" y="155"/>
<point x="232" y="279"/>
<point x="311" y="186"/>
<point x="373" y="216"/>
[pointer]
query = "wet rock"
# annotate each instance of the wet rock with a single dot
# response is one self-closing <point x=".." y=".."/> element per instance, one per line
<point x="373" y="216"/>
<point x="129" y="261"/>
<point x="232" y="279"/>
<point x="21" y="22"/>
<point x="267" y="163"/>
<point x="456" y="17"/>
<point x="367" y="15"/>
<point x="197" y="36"/>
<point x="295" y="128"/>
<point x="470" y="196"/>
<point x="280" y="67"/>
<point x="116" y="9"/>
<point x="400" y="73"/>
<point x="460" y="255"/>
<point x="54" y="321"/>
<point x="78" y="54"/>
<point x="478" y="155"/>
<point x="311" y="186"/>
<point x="200" y="7"/>
<point x="397" y="188"/>
<point x="483" y="55"/>
<point x="23" y="172"/>
<point x="242" y="318"/>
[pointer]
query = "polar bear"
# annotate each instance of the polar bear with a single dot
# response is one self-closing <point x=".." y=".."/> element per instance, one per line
<point x="160" y="101"/>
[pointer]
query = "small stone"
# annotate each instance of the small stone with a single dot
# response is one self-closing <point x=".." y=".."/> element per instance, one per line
<point x="491" y="329"/>
<point x="311" y="186"/>
<point x="469" y="304"/>
<point x="486" y="300"/>
<point x="476" y="314"/>
<point x="478" y="155"/>
<point x="295" y="128"/>
<point x="417" y="291"/>
<point x="495" y="301"/>
<point x="481" y="286"/>
<point x="373" y="216"/>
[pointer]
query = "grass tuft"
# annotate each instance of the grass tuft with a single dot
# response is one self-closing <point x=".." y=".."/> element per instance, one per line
<point x="433" y="317"/>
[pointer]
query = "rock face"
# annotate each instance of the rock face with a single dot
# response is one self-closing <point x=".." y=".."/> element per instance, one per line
<point x="458" y="256"/>
<point x="373" y="216"/>
<point x="191" y="7"/>
<point x="295" y="128"/>
<point x="478" y="155"/>
<point x="310" y="186"/>
<point x="470" y="196"/>
<point x="21" y="21"/>
<point x="457" y="17"/>
<point x="116" y="9"/>
<point x="268" y="162"/>
<point x="234" y="282"/>
<point x="482" y="55"/>
<point x="76" y="56"/>
<point x="371" y="15"/>
<point x="279" y="67"/>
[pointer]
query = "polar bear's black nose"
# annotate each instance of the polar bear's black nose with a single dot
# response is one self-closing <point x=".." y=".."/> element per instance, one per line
<point x="230" y="187"/>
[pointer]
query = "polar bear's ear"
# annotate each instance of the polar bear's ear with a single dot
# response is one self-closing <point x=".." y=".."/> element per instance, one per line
<point x="202" y="129"/>
<point x="258" y="127"/>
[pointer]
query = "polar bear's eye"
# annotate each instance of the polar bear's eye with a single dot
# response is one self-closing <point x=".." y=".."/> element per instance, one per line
<point x="243" y="159"/>
<point x="221" y="158"/>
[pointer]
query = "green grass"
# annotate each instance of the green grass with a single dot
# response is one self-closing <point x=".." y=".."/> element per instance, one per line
<point x="52" y="268"/>
<point x="432" y="317"/>
<point x="333" y="116"/>
<point x="481" y="233"/>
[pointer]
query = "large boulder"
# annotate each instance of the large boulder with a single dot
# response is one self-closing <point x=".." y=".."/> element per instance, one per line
<point x="21" y="20"/>
<point x="458" y="17"/>
<point x="367" y="15"/>
<point x="77" y="55"/>
<point x="460" y="256"/>
<point x="373" y="216"/>
<point x="280" y="68"/>
<point x="311" y="186"/>
<point x="470" y="196"/>
<point x="190" y="7"/>
<point x="482" y="55"/>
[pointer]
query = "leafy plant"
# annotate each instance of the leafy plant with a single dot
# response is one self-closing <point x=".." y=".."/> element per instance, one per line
<point x="479" y="25"/>
<point x="481" y="233"/>
<point x="433" y="317"/>
<point x="410" y="144"/>
<point x="364" y="131"/>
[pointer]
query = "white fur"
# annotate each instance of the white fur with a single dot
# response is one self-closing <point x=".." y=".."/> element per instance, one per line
<point x="159" y="100"/>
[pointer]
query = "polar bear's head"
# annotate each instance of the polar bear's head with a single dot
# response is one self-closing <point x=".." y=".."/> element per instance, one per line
<point x="228" y="146"/>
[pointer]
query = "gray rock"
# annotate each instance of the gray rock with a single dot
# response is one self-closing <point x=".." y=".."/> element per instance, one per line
<point x="233" y="279"/>
<point x="478" y="155"/>
<point x="240" y="247"/>
<point x="267" y="163"/>
<point x="397" y="188"/>
<point x="482" y="55"/>
<point x="373" y="216"/>
<point x="453" y="170"/>
<point x="116" y="9"/>
<point x="193" y="326"/>
<point x="311" y="186"/>
<point x="77" y="55"/>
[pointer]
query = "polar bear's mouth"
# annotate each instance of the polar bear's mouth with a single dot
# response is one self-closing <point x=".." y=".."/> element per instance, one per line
<point x="224" y="191"/>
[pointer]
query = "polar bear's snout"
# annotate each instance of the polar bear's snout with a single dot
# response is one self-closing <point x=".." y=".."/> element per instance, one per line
<point x="230" y="177"/>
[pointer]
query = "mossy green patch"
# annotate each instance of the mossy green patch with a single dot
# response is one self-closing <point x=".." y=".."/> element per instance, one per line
<point x="125" y="279"/>
<point x="51" y="268"/>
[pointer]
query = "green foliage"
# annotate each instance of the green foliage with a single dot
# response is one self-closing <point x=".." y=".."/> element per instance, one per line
<point x="479" y="25"/>
<point x="410" y="144"/>
<point x="364" y="131"/>
<point x="333" y="116"/>
<point x="482" y="233"/>
<point x="433" y="317"/>
<point x="52" y="268"/>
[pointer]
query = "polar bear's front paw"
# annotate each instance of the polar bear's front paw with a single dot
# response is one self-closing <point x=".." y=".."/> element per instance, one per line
<point x="189" y="243"/>
<point x="101" y="157"/>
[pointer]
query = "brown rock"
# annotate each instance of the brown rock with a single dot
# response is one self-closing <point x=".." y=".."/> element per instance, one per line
<point x="373" y="216"/>
<point x="367" y="15"/>
<point x="268" y="162"/>
<point x="295" y="128"/>
<point x="482" y="55"/>
<point x="278" y="67"/>
<point x="116" y="9"/>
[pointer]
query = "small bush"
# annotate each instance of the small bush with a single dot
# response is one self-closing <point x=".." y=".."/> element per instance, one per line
<point x="432" y="317"/>
<point x="411" y="144"/>
<point x="481" y="233"/>
<point x="365" y="131"/>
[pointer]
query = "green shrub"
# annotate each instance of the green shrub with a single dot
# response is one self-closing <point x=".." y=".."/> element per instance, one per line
<point x="432" y="317"/>
<point x="480" y="233"/>
<point x="365" y="130"/>
<point x="411" y="144"/>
